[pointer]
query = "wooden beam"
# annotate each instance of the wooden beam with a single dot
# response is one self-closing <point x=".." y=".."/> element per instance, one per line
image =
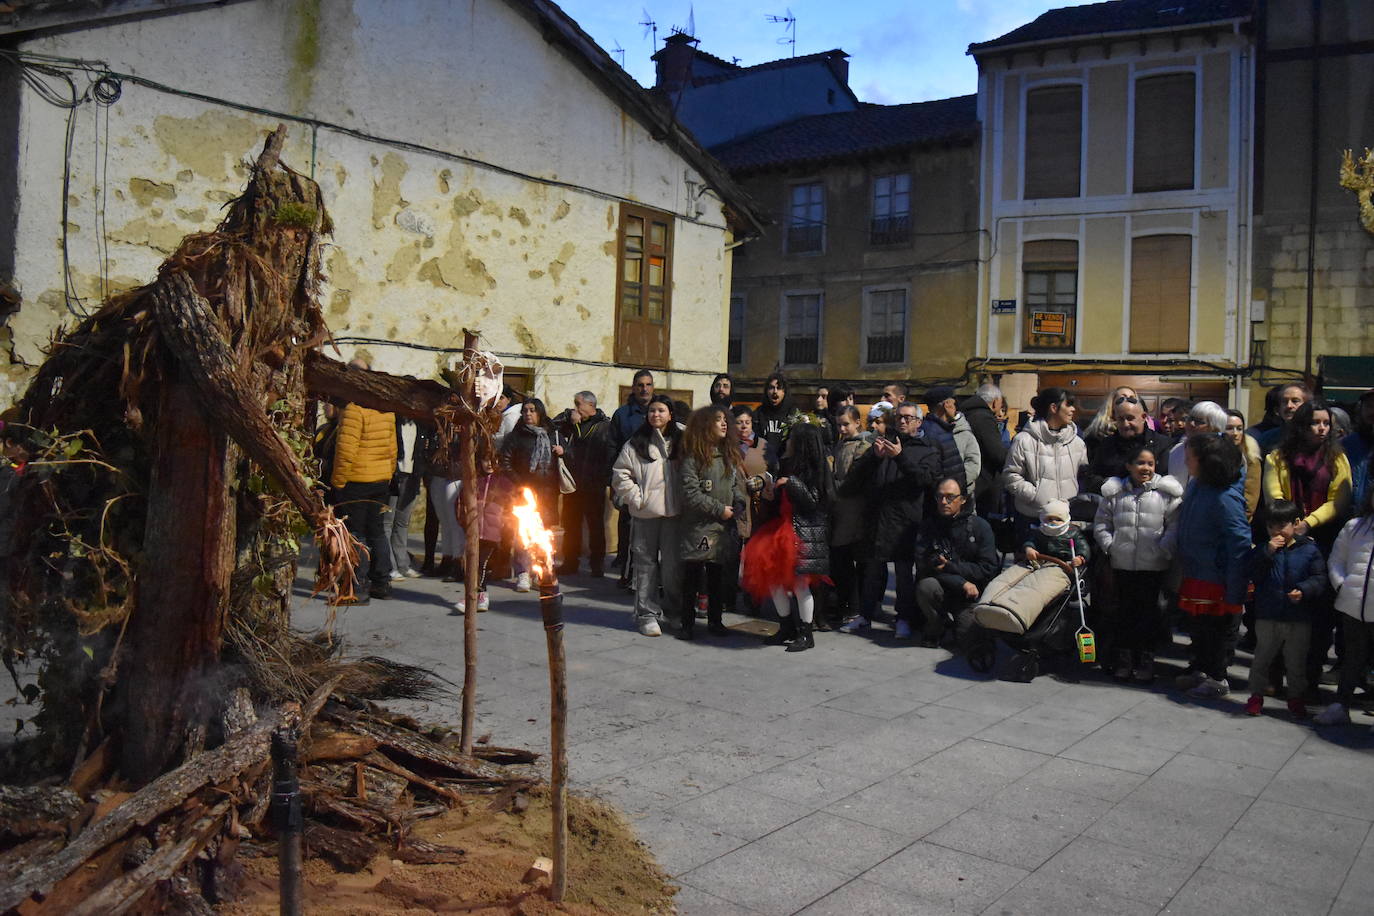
<point x="415" y="399"/>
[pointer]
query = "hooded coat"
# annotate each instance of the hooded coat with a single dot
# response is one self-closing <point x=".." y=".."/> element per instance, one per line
<point x="992" y="451"/>
<point x="1211" y="537"/>
<point x="647" y="487"/>
<point x="1351" y="569"/>
<point x="1131" y="521"/>
<point x="1043" y="465"/>
<point x="849" y="523"/>
<point x="896" y="490"/>
<point x="811" y="522"/>
<point x="941" y="435"/>
<point x="1299" y="565"/>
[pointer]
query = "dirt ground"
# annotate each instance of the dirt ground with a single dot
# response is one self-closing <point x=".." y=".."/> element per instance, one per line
<point x="609" y="870"/>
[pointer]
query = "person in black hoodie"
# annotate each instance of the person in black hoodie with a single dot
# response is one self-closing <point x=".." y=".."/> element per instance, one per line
<point x="978" y="410"/>
<point x="588" y="429"/>
<point x="774" y="415"/>
<point x="956" y="557"/>
<point x="895" y="474"/>
<point x="1108" y="457"/>
<point x="931" y="430"/>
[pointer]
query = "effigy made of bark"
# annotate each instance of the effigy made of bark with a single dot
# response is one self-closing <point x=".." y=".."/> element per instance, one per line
<point x="171" y="485"/>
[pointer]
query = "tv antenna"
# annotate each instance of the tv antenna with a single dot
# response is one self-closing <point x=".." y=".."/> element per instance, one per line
<point x="649" y="26"/>
<point x="789" y="24"/>
<point x="618" y="50"/>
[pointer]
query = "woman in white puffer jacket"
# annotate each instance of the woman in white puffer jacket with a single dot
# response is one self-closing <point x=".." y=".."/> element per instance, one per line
<point x="1132" y="518"/>
<point x="1045" y="458"/>
<point x="1351" y="568"/>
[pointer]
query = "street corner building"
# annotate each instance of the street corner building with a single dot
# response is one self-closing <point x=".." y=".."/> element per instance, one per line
<point x="485" y="165"/>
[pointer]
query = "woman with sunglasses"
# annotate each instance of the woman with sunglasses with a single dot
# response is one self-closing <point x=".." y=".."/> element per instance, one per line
<point x="1103" y="422"/>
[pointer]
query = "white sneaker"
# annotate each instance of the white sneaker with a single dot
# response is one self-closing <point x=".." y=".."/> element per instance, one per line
<point x="522" y="582"/>
<point x="1210" y="689"/>
<point x="460" y="607"/>
<point x="412" y="573"/>
<point x="397" y="574"/>
<point x="482" y="602"/>
<point x="1335" y="714"/>
<point x="855" y="624"/>
<point x="903" y="630"/>
<point x="650" y="627"/>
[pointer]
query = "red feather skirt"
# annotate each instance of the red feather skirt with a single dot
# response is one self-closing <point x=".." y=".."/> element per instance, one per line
<point x="770" y="557"/>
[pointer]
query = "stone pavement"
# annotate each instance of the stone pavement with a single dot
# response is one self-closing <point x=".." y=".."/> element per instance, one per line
<point x="870" y="777"/>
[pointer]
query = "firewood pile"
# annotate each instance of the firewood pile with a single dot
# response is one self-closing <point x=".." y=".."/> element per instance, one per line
<point x="367" y="776"/>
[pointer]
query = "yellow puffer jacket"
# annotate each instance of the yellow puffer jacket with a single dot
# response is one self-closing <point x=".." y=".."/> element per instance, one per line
<point x="1277" y="486"/>
<point x="365" y="449"/>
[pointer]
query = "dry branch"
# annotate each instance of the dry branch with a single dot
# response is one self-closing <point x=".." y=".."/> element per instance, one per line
<point x="419" y="748"/>
<point x="415" y="399"/>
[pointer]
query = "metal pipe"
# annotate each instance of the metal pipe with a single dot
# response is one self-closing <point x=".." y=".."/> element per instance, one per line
<point x="551" y="609"/>
<point x="287" y="819"/>
<point x="1313" y="181"/>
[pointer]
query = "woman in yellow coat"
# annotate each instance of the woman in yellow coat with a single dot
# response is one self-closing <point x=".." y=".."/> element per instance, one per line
<point x="1309" y="467"/>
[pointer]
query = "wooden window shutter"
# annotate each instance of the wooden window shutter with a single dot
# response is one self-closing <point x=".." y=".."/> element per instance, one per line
<point x="1054" y="135"/>
<point x="1164" y="136"/>
<point x="644" y="286"/>
<point x="1161" y="293"/>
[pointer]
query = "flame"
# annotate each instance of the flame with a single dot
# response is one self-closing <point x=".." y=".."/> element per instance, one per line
<point x="533" y="536"/>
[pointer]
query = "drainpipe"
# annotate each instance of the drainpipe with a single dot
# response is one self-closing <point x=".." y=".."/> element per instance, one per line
<point x="1313" y="185"/>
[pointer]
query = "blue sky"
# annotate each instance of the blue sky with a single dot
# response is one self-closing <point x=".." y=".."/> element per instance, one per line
<point x="901" y="50"/>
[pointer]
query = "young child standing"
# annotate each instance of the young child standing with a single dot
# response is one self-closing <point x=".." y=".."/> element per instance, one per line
<point x="1352" y="559"/>
<point x="1289" y="575"/>
<point x="1131" y="520"/>
<point x="494" y="493"/>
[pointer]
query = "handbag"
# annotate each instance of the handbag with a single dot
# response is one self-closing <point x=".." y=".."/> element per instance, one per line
<point x="566" y="483"/>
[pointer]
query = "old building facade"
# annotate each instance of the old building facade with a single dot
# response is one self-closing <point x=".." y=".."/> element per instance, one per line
<point x="1114" y="198"/>
<point x="492" y="169"/>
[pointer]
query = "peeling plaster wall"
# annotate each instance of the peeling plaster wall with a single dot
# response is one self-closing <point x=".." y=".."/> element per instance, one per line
<point x="423" y="245"/>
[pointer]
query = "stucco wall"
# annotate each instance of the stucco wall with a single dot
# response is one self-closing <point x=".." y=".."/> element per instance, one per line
<point x="424" y="244"/>
<point x="1105" y="219"/>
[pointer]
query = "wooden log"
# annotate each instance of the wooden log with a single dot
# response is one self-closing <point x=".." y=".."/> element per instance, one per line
<point x="176" y="630"/>
<point x="472" y="563"/>
<point x="382" y="762"/>
<point x="27" y="811"/>
<point x="120" y="895"/>
<point x="416" y="747"/>
<point x="415" y="399"/>
<point x="423" y="852"/>
<point x="339" y="745"/>
<point x="347" y="849"/>
<point x="149" y="803"/>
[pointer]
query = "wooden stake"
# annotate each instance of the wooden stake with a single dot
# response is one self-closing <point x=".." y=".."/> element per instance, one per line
<point x="551" y="609"/>
<point x="467" y="498"/>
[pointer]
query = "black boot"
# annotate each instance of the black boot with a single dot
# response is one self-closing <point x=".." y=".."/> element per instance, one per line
<point x="803" y="640"/>
<point x="787" y="631"/>
<point x="687" y="621"/>
<point x="714" y="625"/>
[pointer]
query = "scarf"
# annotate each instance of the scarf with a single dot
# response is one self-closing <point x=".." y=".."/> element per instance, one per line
<point x="541" y="454"/>
<point x="1310" y="479"/>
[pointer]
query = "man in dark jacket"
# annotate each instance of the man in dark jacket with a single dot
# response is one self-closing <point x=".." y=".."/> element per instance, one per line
<point x="956" y="557"/>
<point x="773" y="416"/>
<point x="625" y="422"/>
<point x="895" y="474"/>
<point x="1108" y="457"/>
<point x="589" y="431"/>
<point x="978" y="410"/>
<point x="951" y="462"/>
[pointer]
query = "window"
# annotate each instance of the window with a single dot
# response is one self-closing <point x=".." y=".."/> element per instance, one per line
<point x="801" y="330"/>
<point x="806" y="218"/>
<point x="1161" y="293"/>
<point x="891" y="210"/>
<point x="1050" y="289"/>
<point x="886" y="335"/>
<point x="735" y="348"/>
<point x="1163" y="159"/>
<point x="644" y="286"/>
<point x="1054" y="132"/>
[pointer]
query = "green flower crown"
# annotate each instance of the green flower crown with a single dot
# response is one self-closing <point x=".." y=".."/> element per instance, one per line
<point x="809" y="419"/>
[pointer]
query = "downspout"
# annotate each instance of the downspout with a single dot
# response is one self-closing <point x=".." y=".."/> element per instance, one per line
<point x="1312" y="185"/>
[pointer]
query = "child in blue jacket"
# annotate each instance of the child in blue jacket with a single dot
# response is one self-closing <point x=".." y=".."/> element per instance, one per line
<point x="1289" y="576"/>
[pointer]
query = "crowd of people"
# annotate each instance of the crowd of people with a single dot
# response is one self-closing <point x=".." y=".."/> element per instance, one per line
<point x="1184" y="518"/>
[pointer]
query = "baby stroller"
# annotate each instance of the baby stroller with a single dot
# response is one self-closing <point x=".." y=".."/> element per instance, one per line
<point x="1038" y="620"/>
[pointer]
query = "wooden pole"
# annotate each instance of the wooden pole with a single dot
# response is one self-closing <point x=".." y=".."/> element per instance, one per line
<point x="467" y="499"/>
<point x="551" y="609"/>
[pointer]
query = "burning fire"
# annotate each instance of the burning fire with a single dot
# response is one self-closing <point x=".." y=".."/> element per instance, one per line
<point x="533" y="536"/>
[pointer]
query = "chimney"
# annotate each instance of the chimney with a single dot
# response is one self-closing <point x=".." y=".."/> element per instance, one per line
<point x="839" y="65"/>
<point x="674" y="62"/>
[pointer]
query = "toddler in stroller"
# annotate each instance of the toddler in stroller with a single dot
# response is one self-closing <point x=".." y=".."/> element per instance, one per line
<point x="1025" y="605"/>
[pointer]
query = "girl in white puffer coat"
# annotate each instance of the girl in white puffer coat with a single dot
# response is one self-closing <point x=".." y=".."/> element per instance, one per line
<point x="1131" y="520"/>
<point x="1351" y="568"/>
